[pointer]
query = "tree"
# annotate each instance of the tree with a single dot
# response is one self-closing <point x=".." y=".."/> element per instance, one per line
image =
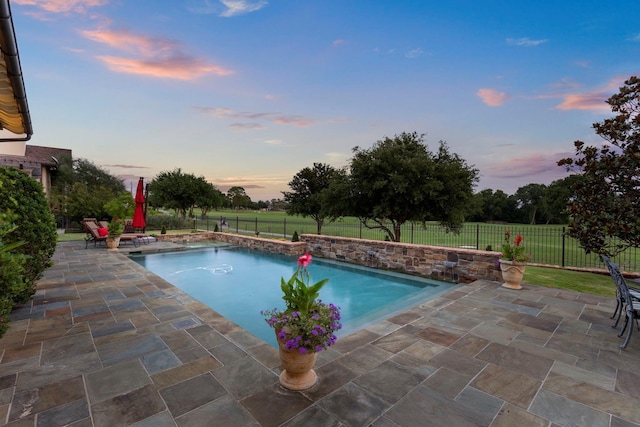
<point x="238" y="197"/>
<point x="531" y="200"/>
<point x="80" y="188"/>
<point x="605" y="207"/>
<point x="558" y="194"/>
<point x="121" y="206"/>
<point x="207" y="196"/>
<point x="399" y="180"/>
<point x="173" y="190"/>
<point x="309" y="188"/>
<point x="492" y="206"/>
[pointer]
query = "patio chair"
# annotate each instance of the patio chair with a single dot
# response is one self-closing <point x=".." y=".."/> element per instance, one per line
<point x="634" y="292"/>
<point x="93" y="235"/>
<point x="626" y="298"/>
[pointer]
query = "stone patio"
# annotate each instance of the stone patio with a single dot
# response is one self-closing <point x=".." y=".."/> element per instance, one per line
<point x="104" y="342"/>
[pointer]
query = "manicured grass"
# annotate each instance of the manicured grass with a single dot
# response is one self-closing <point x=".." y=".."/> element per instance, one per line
<point x="590" y="283"/>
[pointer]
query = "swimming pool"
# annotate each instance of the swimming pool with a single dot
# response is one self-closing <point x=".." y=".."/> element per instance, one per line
<point x="238" y="283"/>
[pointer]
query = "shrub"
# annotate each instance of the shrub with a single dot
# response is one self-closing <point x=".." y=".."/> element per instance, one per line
<point x="295" y="237"/>
<point x="11" y="272"/>
<point x="216" y="229"/>
<point x="164" y="230"/>
<point x="35" y="225"/>
<point x="170" y="222"/>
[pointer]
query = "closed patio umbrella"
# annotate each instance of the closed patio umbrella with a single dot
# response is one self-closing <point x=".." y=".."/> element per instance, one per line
<point x="138" y="213"/>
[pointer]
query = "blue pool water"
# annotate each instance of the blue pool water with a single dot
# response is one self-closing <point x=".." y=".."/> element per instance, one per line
<point x="238" y="283"/>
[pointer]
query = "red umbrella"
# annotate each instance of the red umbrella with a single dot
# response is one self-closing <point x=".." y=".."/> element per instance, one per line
<point x="138" y="214"/>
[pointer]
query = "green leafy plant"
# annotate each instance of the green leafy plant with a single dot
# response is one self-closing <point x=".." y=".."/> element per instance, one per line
<point x="163" y="230"/>
<point x="12" y="272"/>
<point x="35" y="225"/>
<point x="307" y="324"/>
<point x="115" y="227"/>
<point x="295" y="237"/>
<point x="514" y="251"/>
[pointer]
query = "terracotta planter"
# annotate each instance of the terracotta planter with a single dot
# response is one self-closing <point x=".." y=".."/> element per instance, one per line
<point x="512" y="273"/>
<point x="112" y="243"/>
<point x="297" y="369"/>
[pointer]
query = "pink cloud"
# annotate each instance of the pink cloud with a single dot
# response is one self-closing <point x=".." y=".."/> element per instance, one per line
<point x="275" y="117"/>
<point x="62" y="6"/>
<point x="152" y="56"/>
<point x="526" y="166"/>
<point x="338" y="42"/>
<point x="492" y="97"/>
<point x="594" y="100"/>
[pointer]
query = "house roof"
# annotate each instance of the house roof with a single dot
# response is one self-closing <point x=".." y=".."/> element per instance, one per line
<point x="14" y="110"/>
<point x="36" y="156"/>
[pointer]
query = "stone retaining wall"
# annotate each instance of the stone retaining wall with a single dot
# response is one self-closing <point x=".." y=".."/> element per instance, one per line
<point x="422" y="260"/>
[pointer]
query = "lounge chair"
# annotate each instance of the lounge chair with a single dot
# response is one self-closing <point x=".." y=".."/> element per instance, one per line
<point x="95" y="236"/>
<point x="130" y="229"/>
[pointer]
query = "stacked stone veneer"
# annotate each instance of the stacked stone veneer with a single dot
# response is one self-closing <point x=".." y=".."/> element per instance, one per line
<point x="420" y="260"/>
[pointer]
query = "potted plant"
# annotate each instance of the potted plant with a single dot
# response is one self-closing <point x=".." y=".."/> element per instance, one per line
<point x="513" y="261"/>
<point x="306" y="327"/>
<point x="115" y="228"/>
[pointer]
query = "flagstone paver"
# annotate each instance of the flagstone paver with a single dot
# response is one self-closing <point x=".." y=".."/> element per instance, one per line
<point x="106" y="343"/>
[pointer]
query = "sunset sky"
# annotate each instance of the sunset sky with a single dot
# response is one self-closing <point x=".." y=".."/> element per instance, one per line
<point x="249" y="92"/>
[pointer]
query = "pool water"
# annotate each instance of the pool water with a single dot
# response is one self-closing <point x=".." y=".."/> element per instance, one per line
<point x="238" y="283"/>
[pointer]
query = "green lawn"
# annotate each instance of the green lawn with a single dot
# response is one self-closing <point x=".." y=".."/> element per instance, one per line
<point x="589" y="283"/>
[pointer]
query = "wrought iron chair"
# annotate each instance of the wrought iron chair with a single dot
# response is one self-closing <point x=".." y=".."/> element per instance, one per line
<point x="634" y="292"/>
<point x="626" y="298"/>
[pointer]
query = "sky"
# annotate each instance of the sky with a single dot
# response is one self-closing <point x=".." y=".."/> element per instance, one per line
<point x="249" y="92"/>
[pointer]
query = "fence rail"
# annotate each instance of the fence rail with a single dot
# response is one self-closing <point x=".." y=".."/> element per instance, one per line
<point x="547" y="244"/>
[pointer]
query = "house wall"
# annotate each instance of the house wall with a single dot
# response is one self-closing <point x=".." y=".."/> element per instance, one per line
<point x="13" y="148"/>
<point x="422" y="260"/>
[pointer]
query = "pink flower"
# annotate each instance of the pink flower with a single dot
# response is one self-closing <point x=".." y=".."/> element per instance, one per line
<point x="304" y="260"/>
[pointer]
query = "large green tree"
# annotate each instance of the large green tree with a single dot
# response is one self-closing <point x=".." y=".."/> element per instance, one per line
<point x="309" y="190"/>
<point x="80" y="189"/>
<point x="238" y="197"/>
<point x="398" y="180"/>
<point x="605" y="207"/>
<point x="531" y="201"/>
<point x="207" y="196"/>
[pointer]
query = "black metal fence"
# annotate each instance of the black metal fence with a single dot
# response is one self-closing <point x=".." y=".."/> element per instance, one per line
<point x="547" y="244"/>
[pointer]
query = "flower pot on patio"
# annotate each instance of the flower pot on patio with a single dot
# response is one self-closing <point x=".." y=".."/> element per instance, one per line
<point x="512" y="273"/>
<point x="297" y="368"/>
<point x="112" y="243"/>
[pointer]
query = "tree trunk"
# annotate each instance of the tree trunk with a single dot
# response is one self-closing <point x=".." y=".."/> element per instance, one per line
<point x="396" y="232"/>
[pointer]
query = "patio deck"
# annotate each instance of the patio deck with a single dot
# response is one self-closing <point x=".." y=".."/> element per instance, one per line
<point x="106" y="343"/>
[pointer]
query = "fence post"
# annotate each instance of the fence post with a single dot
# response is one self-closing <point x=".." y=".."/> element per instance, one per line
<point x="412" y="233"/>
<point x="256" y="225"/>
<point x="563" y="248"/>
<point x="237" y="224"/>
<point x="284" y="235"/>
<point x="477" y="237"/>
<point x="361" y="229"/>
